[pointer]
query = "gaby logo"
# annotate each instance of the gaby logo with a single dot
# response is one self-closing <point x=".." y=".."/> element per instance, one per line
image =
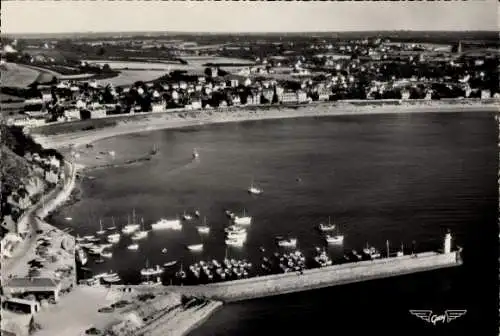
<point x="429" y="316"/>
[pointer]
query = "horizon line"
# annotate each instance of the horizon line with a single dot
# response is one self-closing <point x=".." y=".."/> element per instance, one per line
<point x="250" y="32"/>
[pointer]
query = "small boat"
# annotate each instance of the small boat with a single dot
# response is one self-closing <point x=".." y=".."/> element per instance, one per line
<point x="107" y="254"/>
<point x="88" y="237"/>
<point x="173" y="224"/>
<point x="244" y="220"/>
<point x="154" y="150"/>
<point x="195" y="247"/>
<point x="68" y="218"/>
<point x="235" y="229"/>
<point x="327" y="227"/>
<point x="254" y="190"/>
<point x="235" y="242"/>
<point x="337" y="239"/>
<point x="105" y="245"/>
<point x="203" y="229"/>
<point x="289" y="242"/>
<point x="114" y="238"/>
<point x="148" y="271"/>
<point x="112" y="227"/>
<point x="197" y="213"/>
<point x="79" y="239"/>
<point x="164" y="251"/>
<point x="371" y="252"/>
<point x="133" y="247"/>
<point x="112" y="279"/>
<point x="131" y="227"/>
<point x="187" y="216"/>
<point x="105" y="274"/>
<point x="237" y="235"/>
<point x="170" y="263"/>
<point x="140" y="234"/>
<point x="99" y="261"/>
<point x="195" y="154"/>
<point x="101" y="230"/>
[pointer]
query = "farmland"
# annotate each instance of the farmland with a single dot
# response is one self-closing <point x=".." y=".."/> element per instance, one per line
<point x="18" y="76"/>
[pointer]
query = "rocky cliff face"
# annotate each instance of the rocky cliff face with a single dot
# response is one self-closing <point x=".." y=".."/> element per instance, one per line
<point x="23" y="172"/>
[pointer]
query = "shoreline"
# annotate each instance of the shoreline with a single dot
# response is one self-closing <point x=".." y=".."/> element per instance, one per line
<point x="159" y="121"/>
<point x="48" y="203"/>
<point x="189" y="118"/>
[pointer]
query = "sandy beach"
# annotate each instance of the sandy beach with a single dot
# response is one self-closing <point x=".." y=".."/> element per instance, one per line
<point x="170" y="120"/>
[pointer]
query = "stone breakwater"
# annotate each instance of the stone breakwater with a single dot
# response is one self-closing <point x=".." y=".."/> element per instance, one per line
<point x="278" y="284"/>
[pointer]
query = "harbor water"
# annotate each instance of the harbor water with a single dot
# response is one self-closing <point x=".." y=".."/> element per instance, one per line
<point x="404" y="178"/>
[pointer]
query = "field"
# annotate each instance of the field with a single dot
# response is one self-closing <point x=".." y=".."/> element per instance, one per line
<point x="129" y="77"/>
<point x="196" y="63"/>
<point x="14" y="75"/>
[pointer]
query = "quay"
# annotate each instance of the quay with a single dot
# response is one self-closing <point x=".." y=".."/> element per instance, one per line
<point x="270" y="285"/>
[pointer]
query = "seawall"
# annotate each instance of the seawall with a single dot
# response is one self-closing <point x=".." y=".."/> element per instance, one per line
<point x="271" y="285"/>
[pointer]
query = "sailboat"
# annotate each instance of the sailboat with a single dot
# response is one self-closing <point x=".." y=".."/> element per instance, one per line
<point x="101" y="230"/>
<point x="335" y="239"/>
<point x="113" y="226"/>
<point x="254" y="190"/>
<point x="244" y="220"/>
<point x="327" y="227"/>
<point x="154" y="150"/>
<point x="140" y="234"/>
<point x="196" y="155"/>
<point x="203" y="229"/>
<point x="130" y="227"/>
<point x="148" y="271"/>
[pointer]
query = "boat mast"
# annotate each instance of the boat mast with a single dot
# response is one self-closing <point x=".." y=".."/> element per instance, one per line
<point x="387" y="245"/>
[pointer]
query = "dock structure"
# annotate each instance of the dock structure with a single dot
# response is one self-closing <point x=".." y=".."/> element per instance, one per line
<point x="270" y="285"/>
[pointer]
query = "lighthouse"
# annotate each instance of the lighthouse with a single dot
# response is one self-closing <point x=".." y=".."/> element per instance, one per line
<point x="447" y="243"/>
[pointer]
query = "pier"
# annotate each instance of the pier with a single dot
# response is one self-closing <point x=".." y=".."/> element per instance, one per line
<point x="270" y="285"/>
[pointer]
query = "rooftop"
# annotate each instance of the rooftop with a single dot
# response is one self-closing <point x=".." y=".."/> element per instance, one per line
<point x="31" y="282"/>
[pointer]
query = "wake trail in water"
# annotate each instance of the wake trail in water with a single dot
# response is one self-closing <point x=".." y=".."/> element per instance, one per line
<point x="189" y="164"/>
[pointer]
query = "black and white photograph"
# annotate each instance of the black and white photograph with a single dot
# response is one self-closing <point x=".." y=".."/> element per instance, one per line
<point x="227" y="168"/>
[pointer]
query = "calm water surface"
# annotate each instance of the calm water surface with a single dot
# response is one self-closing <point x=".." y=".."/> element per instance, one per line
<point x="400" y="178"/>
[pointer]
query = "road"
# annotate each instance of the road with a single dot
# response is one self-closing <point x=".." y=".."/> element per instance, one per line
<point x="25" y="251"/>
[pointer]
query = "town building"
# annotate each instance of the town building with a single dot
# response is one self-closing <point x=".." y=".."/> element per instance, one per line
<point x="45" y="287"/>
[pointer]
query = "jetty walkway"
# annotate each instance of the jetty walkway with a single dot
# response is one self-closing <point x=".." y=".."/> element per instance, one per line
<point x="270" y="285"/>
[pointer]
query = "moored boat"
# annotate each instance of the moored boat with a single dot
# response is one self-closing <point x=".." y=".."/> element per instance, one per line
<point x="141" y="234"/>
<point x="114" y="238"/>
<point x="243" y="220"/>
<point x="235" y="242"/>
<point x="170" y="263"/>
<point x="173" y="224"/>
<point x="133" y="247"/>
<point x="254" y="190"/>
<point x="336" y="239"/>
<point x="287" y="242"/>
<point x="101" y="229"/>
<point x="195" y="247"/>
<point x="326" y="227"/>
